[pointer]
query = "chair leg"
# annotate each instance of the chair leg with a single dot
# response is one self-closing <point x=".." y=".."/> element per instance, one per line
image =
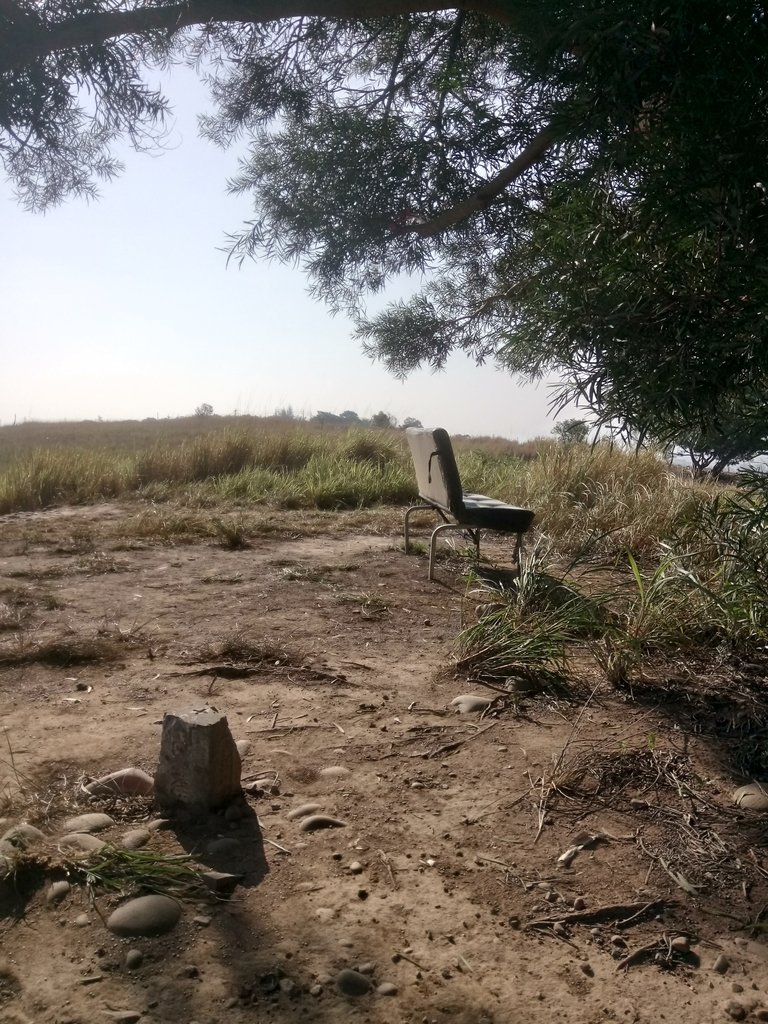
<point x="406" y="526"/>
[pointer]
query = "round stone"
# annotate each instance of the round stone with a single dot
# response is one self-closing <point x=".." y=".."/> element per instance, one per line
<point x="386" y="988"/>
<point x="355" y="868"/>
<point x="82" y="921"/>
<point x="126" y="782"/>
<point x="318" y="821"/>
<point x="136" y="838"/>
<point x="466" y="703"/>
<point x="57" y="892"/>
<point x="21" y="836"/>
<point x="721" y="964"/>
<point x="81" y="842"/>
<point x="134" y="958"/>
<point x="352" y="983"/>
<point x="681" y="944"/>
<point x="243" y="746"/>
<point x="334" y="771"/>
<point x="147" y="915"/>
<point x="753" y="796"/>
<point x="93" y="822"/>
<point x="303" y="811"/>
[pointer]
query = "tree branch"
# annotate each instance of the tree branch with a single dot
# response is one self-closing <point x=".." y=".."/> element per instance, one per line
<point x="485" y="195"/>
<point x="22" y="45"/>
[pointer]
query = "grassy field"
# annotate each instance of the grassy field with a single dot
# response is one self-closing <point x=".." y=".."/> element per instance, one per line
<point x="632" y="561"/>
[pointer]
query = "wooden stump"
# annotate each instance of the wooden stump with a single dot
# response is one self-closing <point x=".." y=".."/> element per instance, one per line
<point x="199" y="767"/>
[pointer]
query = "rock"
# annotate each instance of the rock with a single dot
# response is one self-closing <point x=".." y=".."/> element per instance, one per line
<point x="287" y="986"/>
<point x="466" y="703"/>
<point x="753" y="796"/>
<point x="147" y="915"/>
<point x="158" y="824"/>
<point x="367" y="968"/>
<point x="123" y="1016"/>
<point x="134" y="958"/>
<point x="721" y="964"/>
<point x="81" y="842"/>
<point x="220" y="882"/>
<point x="243" y="746"/>
<point x="136" y="838"/>
<point x="735" y="1010"/>
<point x="355" y="868"/>
<point x="302" y="811"/>
<point x="681" y="944"/>
<point x="334" y="771"/>
<point x="316" y="990"/>
<point x="203" y="920"/>
<point x="125" y="782"/>
<point x="579" y="903"/>
<point x="386" y="988"/>
<point x="318" y="821"/>
<point x="199" y="767"/>
<point x="22" y="836"/>
<point x="57" y="892"/>
<point x="94" y="822"/>
<point x="82" y="921"/>
<point x="352" y="983"/>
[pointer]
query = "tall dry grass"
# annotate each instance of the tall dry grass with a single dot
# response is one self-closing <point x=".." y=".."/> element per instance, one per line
<point x="599" y="499"/>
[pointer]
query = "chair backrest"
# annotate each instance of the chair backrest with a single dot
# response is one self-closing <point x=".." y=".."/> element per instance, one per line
<point x="437" y="474"/>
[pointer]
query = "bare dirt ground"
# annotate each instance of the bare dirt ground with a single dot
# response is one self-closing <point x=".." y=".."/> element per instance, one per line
<point x="328" y="648"/>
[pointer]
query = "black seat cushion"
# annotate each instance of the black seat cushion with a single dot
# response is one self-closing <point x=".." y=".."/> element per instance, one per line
<point x="487" y="513"/>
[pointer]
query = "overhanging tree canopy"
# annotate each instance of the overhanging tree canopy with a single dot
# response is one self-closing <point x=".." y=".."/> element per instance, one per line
<point x="582" y="184"/>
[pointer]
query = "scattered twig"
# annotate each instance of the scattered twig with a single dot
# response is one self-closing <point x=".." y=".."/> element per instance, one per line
<point x="404" y="956"/>
<point x="610" y="912"/>
<point x="384" y="858"/>
<point x="277" y="845"/>
<point x="639" y="954"/>
<point x="448" y="748"/>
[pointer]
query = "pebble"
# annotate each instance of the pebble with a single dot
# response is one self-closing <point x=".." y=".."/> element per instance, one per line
<point x="126" y="782"/>
<point x="82" y="920"/>
<point x="466" y="703"/>
<point x="317" y="821"/>
<point x="579" y="903"/>
<point x="81" y="842"/>
<point x="57" y="892"/>
<point x="367" y="968"/>
<point x="325" y="914"/>
<point x="735" y="1010"/>
<point x="618" y="940"/>
<point x="681" y="944"/>
<point x="352" y="983"/>
<point x="356" y="868"/>
<point x="202" y="920"/>
<point x="93" y="822"/>
<point x="243" y="746"/>
<point x="287" y="986"/>
<point x="123" y="1016"/>
<point x="753" y="796"/>
<point x="586" y="968"/>
<point x="147" y="915"/>
<point x="134" y="958"/>
<point x="334" y="771"/>
<point x="386" y="988"/>
<point x="136" y="838"/>
<point x="418" y="785"/>
<point x="721" y="964"/>
<point x="316" y="990"/>
<point x="302" y="811"/>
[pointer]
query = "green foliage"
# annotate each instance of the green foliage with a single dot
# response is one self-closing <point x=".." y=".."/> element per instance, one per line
<point x="582" y="185"/>
<point x="571" y="431"/>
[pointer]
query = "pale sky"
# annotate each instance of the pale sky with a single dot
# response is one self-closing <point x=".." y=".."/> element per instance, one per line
<point x="125" y="308"/>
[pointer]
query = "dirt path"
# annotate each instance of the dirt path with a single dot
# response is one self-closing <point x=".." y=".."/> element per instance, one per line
<point x="334" y="651"/>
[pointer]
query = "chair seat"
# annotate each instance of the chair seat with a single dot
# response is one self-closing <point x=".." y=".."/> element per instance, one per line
<point x="486" y="513"/>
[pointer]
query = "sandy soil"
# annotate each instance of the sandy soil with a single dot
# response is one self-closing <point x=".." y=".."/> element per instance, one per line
<point x="456" y="822"/>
